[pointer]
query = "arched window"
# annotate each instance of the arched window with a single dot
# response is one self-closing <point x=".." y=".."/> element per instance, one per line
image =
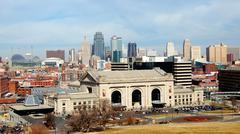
<point x="136" y="97"/>
<point x="116" y="98"/>
<point x="156" y="95"/>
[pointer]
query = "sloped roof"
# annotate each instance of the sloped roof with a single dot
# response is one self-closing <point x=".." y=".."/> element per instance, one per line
<point x="78" y="95"/>
<point x="131" y="76"/>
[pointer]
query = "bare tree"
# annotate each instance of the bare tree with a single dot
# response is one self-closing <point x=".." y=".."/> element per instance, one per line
<point x="130" y="117"/>
<point x="6" y="67"/>
<point x="104" y="112"/>
<point x="50" y="121"/>
<point x="4" y="108"/>
<point x="233" y="101"/>
<point x="224" y="102"/>
<point x="84" y="120"/>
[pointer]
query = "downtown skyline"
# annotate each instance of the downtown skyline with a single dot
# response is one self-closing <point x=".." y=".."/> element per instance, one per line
<point x="47" y="25"/>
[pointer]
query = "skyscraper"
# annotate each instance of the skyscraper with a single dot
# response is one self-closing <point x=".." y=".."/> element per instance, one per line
<point x="132" y="49"/>
<point x="99" y="45"/>
<point x="195" y="52"/>
<point x="108" y="53"/>
<point x="170" y="49"/>
<point x="93" y="49"/>
<point x="186" y="49"/>
<point x="72" y="55"/>
<point x="124" y="51"/>
<point x="116" y="45"/>
<point x="182" y="72"/>
<point x="85" y="51"/>
<point x="217" y="53"/>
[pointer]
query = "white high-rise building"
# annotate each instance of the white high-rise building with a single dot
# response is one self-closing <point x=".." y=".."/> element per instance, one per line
<point x="124" y="51"/>
<point x="170" y="51"/>
<point x="85" y="52"/>
<point x="151" y="52"/>
<point x="141" y="52"/>
<point x="72" y="55"/>
<point x="195" y="52"/>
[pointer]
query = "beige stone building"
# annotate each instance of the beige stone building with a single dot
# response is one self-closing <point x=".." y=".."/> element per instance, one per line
<point x="187" y="96"/>
<point x="133" y="89"/>
<point x="66" y="103"/>
<point x="217" y="53"/>
<point x="85" y="52"/>
<point x="136" y="89"/>
<point x="195" y="52"/>
<point x="186" y="49"/>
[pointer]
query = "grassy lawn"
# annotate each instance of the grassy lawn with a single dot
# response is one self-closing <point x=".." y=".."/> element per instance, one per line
<point x="199" y="128"/>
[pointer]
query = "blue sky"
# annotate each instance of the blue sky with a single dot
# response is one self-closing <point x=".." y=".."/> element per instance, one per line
<point x="61" y="24"/>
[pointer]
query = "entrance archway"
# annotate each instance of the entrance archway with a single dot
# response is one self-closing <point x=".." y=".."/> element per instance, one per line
<point x="136" y="97"/>
<point x="116" y="98"/>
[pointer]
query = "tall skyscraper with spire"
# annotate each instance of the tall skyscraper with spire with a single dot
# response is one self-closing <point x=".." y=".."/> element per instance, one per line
<point x="85" y="51"/>
<point x="187" y="49"/>
<point x="99" y="45"/>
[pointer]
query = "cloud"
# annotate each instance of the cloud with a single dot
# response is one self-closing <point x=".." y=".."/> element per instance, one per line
<point x="154" y="22"/>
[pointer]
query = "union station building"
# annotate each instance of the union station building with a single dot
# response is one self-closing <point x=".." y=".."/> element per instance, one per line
<point x="134" y="90"/>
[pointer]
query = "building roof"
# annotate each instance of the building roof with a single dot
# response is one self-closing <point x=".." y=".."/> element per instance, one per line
<point x="82" y="95"/>
<point x="233" y="68"/>
<point x="74" y="83"/>
<point x="181" y="89"/>
<point x="23" y="107"/>
<point x="41" y="91"/>
<point x="31" y="100"/>
<point x="156" y="74"/>
<point x="53" y="59"/>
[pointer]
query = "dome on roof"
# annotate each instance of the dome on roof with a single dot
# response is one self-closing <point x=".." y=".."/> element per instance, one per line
<point x="31" y="100"/>
<point x="17" y="58"/>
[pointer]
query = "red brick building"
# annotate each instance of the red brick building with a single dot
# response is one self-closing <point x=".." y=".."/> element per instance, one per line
<point x="230" y="58"/>
<point x="56" y="54"/>
<point x="208" y="68"/>
<point x="13" y="86"/>
<point x="52" y="69"/>
<point x="42" y="83"/>
<point x="7" y="100"/>
<point x="24" y="91"/>
<point x="3" y="85"/>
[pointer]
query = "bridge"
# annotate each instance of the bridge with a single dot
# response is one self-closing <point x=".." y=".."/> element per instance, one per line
<point x="225" y="94"/>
